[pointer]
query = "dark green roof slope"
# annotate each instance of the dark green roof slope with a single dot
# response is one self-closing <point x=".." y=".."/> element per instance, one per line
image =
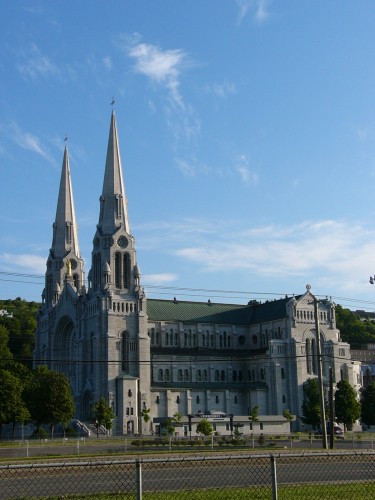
<point x="210" y="312"/>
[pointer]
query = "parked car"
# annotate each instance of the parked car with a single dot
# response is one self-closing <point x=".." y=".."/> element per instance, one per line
<point x="337" y="432"/>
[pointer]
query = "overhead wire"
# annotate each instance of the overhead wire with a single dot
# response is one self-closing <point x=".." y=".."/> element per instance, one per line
<point x="201" y="292"/>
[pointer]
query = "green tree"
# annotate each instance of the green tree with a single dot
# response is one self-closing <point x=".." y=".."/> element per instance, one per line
<point x="347" y="406"/>
<point x="103" y="414"/>
<point x="49" y="398"/>
<point x="170" y="424"/>
<point x="12" y="407"/>
<point x="368" y="405"/>
<point x="5" y="353"/>
<point x="254" y="414"/>
<point x="288" y="416"/>
<point x="311" y="404"/>
<point x="353" y="329"/>
<point x="204" y="427"/>
<point x="145" y="414"/>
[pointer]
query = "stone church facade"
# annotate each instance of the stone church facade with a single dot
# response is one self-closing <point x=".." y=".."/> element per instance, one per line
<point x="194" y="358"/>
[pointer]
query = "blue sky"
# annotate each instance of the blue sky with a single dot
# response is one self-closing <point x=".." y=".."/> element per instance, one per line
<point x="247" y="135"/>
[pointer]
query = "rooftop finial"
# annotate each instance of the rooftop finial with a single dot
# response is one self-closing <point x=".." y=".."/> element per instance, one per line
<point x="113" y="102"/>
<point x="66" y="138"/>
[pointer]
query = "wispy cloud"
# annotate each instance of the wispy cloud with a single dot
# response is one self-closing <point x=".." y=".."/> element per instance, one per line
<point x="24" y="262"/>
<point x="34" y="64"/>
<point x="161" y="66"/>
<point x="159" y="279"/>
<point x="324" y="251"/>
<point x="222" y="89"/>
<point x="29" y="141"/>
<point x="258" y="8"/>
<point x="247" y="175"/>
<point x="188" y="169"/>
<point x="107" y="62"/>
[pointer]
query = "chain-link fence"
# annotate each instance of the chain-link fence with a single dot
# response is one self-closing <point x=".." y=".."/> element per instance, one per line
<point x="320" y="476"/>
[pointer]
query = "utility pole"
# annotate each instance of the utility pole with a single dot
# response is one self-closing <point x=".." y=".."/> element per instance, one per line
<point x="331" y="410"/>
<point x="320" y="377"/>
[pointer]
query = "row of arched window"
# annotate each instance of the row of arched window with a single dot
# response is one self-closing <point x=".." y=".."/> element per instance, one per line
<point x="309" y="315"/>
<point x="172" y="338"/>
<point x="185" y="375"/>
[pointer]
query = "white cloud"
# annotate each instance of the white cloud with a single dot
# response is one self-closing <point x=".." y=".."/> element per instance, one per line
<point x="26" y="262"/>
<point x="187" y="168"/>
<point x="161" y="66"/>
<point x="258" y="7"/>
<point x="29" y="141"/>
<point x="222" y="89"/>
<point x="247" y="175"/>
<point x="334" y="251"/>
<point x="159" y="279"/>
<point x="35" y="64"/>
<point x="107" y="62"/>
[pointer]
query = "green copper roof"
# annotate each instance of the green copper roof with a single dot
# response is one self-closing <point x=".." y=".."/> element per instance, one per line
<point x="210" y="312"/>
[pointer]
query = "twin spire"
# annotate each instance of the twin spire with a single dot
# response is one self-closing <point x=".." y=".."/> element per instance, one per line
<point x="113" y="205"/>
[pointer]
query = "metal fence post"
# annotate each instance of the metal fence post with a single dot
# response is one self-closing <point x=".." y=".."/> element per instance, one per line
<point x="138" y="469"/>
<point x="274" y="478"/>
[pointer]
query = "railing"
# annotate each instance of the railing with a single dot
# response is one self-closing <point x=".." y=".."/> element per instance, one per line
<point x="276" y="476"/>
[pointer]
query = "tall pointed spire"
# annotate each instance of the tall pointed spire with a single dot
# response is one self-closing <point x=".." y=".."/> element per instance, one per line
<point x="65" y="238"/>
<point x="113" y="204"/>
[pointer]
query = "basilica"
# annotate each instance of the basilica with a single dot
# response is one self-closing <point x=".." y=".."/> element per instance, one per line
<point x="170" y="356"/>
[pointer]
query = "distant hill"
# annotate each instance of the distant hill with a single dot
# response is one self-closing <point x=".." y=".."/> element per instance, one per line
<point x="17" y="327"/>
<point x="356" y="327"/>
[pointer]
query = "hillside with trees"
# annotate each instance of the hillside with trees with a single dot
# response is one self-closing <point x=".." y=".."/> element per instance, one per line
<point x="355" y="329"/>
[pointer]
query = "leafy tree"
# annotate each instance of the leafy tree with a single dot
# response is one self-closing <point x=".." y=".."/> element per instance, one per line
<point x="5" y="353"/>
<point x="49" y="398"/>
<point x="12" y="407"/>
<point x="20" y="324"/>
<point x="170" y="424"/>
<point x="311" y="403"/>
<point x="353" y="329"/>
<point x="103" y="413"/>
<point x="347" y="406"/>
<point x="145" y="414"/>
<point x="288" y="416"/>
<point x="254" y="414"/>
<point x="204" y="427"/>
<point x="368" y="405"/>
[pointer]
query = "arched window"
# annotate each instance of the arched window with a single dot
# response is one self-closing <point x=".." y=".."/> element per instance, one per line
<point x="160" y="375"/>
<point x="125" y="352"/>
<point x="204" y="375"/>
<point x="186" y="375"/>
<point x="179" y="375"/>
<point x="166" y="375"/>
<point x="217" y="376"/>
<point x="118" y="270"/>
<point x="199" y="375"/>
<point x="126" y="270"/>
<point x="222" y="375"/>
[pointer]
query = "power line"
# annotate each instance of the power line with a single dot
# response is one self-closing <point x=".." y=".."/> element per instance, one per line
<point x="223" y="294"/>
